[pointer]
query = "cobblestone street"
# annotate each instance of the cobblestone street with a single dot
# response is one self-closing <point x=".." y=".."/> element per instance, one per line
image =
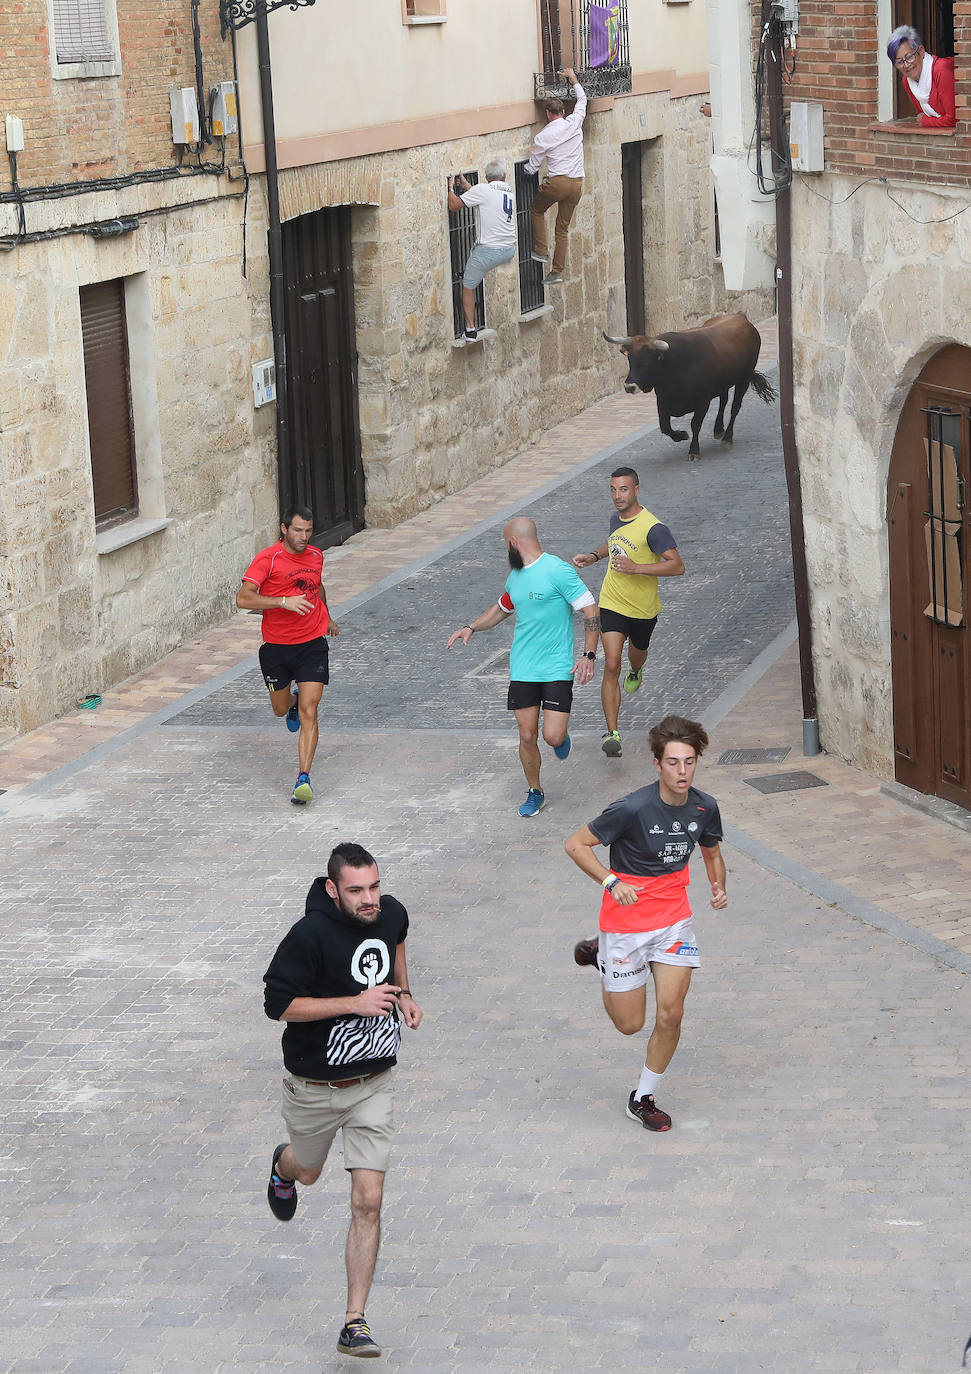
<point x="808" y="1211"/>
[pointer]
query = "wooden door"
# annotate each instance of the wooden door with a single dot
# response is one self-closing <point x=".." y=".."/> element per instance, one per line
<point x="632" y="198"/>
<point x="325" y="437"/>
<point x="928" y="524"/>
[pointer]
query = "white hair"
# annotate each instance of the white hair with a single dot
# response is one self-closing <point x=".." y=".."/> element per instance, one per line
<point x="904" y="34"/>
<point x="495" y="170"/>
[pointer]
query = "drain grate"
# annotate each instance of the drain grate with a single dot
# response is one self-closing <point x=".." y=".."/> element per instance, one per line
<point x="777" y="755"/>
<point x="786" y="782"/>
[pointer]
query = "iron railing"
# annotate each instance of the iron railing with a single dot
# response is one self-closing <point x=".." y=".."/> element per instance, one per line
<point x="597" y="34"/>
<point x="531" y="294"/>
<point x="946" y="501"/>
<point x="461" y="241"/>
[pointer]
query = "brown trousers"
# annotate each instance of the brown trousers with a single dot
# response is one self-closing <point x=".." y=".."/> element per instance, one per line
<point x="564" y="193"/>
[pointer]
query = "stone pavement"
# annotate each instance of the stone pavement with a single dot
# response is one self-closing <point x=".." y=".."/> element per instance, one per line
<point x="806" y="1213"/>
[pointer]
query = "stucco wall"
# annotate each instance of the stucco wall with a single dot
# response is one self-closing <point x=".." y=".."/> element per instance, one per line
<point x="875" y="294"/>
<point x="75" y="620"/>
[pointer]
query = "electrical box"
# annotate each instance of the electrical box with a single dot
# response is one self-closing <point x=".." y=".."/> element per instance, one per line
<point x="806" y="136"/>
<point x="185" y="115"/>
<point x="264" y="382"/>
<point x="787" y="13"/>
<point x="15" y="134"/>
<point x="224" y="109"/>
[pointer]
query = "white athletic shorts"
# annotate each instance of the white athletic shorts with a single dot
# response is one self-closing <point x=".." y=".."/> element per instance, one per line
<point x="625" y="960"/>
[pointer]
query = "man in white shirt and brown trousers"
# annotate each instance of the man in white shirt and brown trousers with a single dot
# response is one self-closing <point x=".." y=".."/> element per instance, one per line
<point x="561" y="143"/>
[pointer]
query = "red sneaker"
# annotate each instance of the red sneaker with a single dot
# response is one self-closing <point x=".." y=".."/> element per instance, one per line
<point x="586" y="952"/>
<point x="648" y="1113"/>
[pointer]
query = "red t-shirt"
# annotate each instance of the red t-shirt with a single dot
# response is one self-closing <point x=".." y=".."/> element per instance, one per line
<point x="278" y="572"/>
<point x="662" y="901"/>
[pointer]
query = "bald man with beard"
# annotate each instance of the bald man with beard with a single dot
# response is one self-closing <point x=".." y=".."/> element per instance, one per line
<point x="543" y="592"/>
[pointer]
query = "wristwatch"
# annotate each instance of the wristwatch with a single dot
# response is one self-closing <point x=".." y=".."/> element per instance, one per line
<point x="591" y="654"/>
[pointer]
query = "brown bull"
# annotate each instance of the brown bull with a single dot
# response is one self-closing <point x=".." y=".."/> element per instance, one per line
<point x="688" y="369"/>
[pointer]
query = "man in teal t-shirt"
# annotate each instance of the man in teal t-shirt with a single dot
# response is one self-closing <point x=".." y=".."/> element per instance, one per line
<point x="543" y="592"/>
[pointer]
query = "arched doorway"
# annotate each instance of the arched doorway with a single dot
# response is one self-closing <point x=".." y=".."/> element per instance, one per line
<point x="930" y="600"/>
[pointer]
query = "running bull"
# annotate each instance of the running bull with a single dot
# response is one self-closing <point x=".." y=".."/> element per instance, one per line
<point x="689" y="369"/>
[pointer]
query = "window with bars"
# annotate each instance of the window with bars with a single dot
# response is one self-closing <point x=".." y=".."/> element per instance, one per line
<point x="531" y="295"/>
<point x="461" y="241"/>
<point x="83" y="32"/>
<point x="590" y="37"/>
<point x="107" y="383"/>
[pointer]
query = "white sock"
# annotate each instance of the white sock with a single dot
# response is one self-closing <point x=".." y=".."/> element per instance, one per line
<point x="648" y="1083"/>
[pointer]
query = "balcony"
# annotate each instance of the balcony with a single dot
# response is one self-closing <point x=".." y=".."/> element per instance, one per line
<point x="590" y="38"/>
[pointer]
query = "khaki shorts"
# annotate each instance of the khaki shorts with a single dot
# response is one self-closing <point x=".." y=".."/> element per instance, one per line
<point x="363" y="1112"/>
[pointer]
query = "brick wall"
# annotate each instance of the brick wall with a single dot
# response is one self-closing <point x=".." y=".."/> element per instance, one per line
<point x="840" y="49"/>
<point x="80" y="129"/>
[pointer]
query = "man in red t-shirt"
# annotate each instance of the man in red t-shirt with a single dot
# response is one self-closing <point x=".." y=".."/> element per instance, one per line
<point x="284" y="582"/>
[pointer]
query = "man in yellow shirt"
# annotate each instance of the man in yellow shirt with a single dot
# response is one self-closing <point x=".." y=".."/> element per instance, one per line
<point x="641" y="549"/>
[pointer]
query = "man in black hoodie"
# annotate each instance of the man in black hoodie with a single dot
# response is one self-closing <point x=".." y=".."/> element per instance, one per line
<point x="339" y="980"/>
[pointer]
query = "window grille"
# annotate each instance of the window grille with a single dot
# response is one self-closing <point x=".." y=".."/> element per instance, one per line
<point x="531" y="295"/>
<point x="461" y="241"/>
<point x="589" y="36"/>
<point x="946" y="500"/>
<point x="107" y="383"/>
<point x="81" y="32"/>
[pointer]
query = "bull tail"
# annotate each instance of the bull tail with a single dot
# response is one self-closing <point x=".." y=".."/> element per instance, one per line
<point x="763" y="387"/>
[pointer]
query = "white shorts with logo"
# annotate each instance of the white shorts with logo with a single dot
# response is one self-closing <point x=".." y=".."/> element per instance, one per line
<point x="625" y="959"/>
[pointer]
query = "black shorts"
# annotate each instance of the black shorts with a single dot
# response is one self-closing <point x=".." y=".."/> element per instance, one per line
<point x="282" y="664"/>
<point x="552" y="696"/>
<point x="637" y="631"/>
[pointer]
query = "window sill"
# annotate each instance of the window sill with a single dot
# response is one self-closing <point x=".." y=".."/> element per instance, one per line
<point x="80" y="71"/>
<point x="909" y="128"/>
<point x="414" y="20"/>
<point x="119" y="535"/>
<point x="471" y="343"/>
<point x="536" y="314"/>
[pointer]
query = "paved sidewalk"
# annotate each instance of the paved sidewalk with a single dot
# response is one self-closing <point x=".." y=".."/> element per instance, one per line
<point x="807" y="1212"/>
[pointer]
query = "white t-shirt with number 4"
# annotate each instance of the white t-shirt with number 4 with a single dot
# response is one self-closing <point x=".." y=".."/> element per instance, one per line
<point x="495" y="213"/>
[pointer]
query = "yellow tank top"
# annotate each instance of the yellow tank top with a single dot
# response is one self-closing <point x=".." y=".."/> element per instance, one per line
<point x="632" y="594"/>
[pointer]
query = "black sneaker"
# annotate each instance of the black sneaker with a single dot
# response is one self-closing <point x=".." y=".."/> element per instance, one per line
<point x="281" y="1193"/>
<point x="356" y="1339"/>
<point x="471" y="334"/>
<point x="586" y="953"/>
<point x="648" y="1113"/>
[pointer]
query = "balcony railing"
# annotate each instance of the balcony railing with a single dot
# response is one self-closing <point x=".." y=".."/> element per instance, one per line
<point x="591" y="38"/>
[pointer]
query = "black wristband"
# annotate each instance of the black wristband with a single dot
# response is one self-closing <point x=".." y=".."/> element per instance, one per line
<point x="405" y="992"/>
<point x="594" y="555"/>
<point x="469" y="628"/>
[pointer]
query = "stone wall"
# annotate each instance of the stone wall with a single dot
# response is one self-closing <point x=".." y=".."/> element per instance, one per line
<point x="875" y="295"/>
<point x="434" y="416"/>
<point x="76" y="619"/>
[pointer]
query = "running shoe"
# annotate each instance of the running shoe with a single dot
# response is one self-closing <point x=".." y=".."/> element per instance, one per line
<point x="293" y="715"/>
<point x="535" y="801"/>
<point x="610" y="744"/>
<point x="648" y="1113"/>
<point x="586" y="952"/>
<point x="281" y="1193"/>
<point x="471" y="333"/>
<point x="356" y="1339"/>
<point x="302" y="791"/>
<point x="633" y="680"/>
<point x="562" y="751"/>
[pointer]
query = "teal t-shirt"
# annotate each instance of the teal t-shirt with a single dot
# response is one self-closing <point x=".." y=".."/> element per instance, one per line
<point x="544" y="596"/>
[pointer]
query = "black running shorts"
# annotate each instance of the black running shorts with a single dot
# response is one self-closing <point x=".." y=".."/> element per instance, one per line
<point x="552" y="696"/>
<point x="637" y="631"/>
<point x="282" y="664"/>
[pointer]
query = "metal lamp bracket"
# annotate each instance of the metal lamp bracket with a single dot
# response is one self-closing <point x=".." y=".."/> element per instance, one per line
<point x="236" y="14"/>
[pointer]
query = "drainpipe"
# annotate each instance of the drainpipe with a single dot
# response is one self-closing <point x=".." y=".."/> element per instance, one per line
<point x="274" y="236"/>
<point x="790" y="453"/>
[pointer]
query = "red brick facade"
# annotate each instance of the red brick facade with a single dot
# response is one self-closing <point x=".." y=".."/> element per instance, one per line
<point x="79" y="129"/>
<point x="838" y="55"/>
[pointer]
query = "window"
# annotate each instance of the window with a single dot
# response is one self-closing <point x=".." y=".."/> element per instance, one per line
<point x="934" y="21"/>
<point x="84" y="38"/>
<point x="107" y="381"/>
<point x="531" y="295"/>
<point x="423" y="12"/>
<point x="461" y="241"/>
<point x="588" y="36"/>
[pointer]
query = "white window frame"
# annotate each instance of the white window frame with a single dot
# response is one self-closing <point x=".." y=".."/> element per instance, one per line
<point x="67" y="71"/>
<point x="885" y="72"/>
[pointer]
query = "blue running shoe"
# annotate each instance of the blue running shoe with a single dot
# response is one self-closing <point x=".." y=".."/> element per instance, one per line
<point x="562" y="751"/>
<point x="535" y="801"/>
<point x="302" y="791"/>
<point x="293" y="715"/>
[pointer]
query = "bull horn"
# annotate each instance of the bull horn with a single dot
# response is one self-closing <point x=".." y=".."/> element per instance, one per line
<point x="624" y="343"/>
<point x="659" y="345"/>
